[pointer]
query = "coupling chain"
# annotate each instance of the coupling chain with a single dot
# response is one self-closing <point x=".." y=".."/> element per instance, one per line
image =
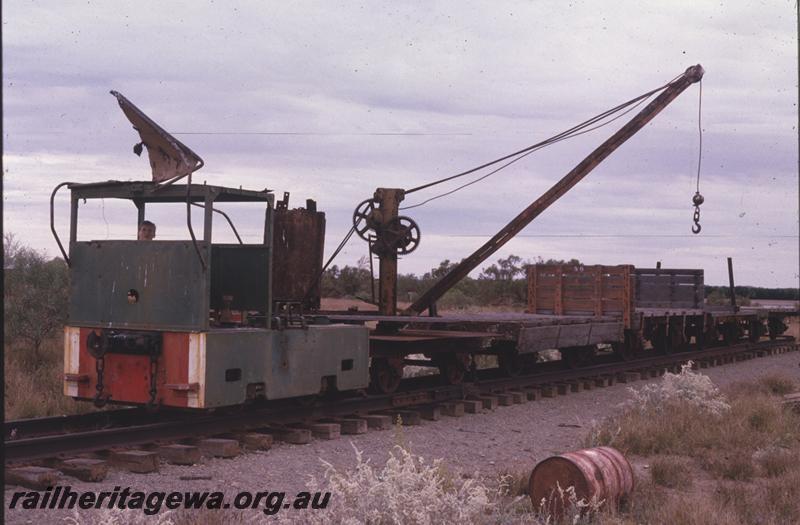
<point x="153" y="380"/>
<point x="99" y="366"/>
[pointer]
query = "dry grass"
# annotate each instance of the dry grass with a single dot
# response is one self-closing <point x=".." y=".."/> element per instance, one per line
<point x="794" y="325"/>
<point x="514" y="483"/>
<point x="670" y="471"/>
<point x="738" y="466"/>
<point x="34" y="382"/>
<point x="779" y="385"/>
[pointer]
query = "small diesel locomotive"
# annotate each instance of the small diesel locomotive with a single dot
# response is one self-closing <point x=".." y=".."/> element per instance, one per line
<point x="194" y="323"/>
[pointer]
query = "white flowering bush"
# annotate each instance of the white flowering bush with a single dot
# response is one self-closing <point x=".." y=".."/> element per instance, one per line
<point x="686" y="386"/>
<point x="115" y="516"/>
<point x="405" y="490"/>
<point x="564" y="507"/>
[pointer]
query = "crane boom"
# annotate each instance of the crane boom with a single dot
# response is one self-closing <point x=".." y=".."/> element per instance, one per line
<point x="690" y="76"/>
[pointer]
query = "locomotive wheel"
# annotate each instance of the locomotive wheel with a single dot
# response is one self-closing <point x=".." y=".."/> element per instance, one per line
<point x="453" y="368"/>
<point x="578" y="356"/>
<point x="384" y="377"/>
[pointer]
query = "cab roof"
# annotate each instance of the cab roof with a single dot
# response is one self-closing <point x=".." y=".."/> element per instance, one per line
<point x="146" y="191"/>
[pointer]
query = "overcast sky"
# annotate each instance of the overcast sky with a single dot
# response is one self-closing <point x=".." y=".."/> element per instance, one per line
<point x="332" y="100"/>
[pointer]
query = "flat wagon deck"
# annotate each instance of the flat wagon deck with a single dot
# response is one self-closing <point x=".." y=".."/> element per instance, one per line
<point x="574" y="309"/>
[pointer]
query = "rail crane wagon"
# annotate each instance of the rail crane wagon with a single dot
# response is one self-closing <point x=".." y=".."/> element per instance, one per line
<point x="195" y="323"/>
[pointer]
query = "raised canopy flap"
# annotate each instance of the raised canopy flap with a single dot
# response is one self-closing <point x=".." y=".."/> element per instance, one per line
<point x="169" y="158"/>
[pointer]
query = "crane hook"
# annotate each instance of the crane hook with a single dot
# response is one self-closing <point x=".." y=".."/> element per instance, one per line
<point x="697" y="200"/>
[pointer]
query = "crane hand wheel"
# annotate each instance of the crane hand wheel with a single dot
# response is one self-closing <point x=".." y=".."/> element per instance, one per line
<point x="402" y="234"/>
<point x="362" y="221"/>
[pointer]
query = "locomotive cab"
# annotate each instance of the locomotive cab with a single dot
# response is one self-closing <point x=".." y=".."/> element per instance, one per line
<point x="197" y="324"/>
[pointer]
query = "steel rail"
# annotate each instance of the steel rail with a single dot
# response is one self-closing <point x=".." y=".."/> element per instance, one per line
<point x="192" y="426"/>
<point x="21" y="428"/>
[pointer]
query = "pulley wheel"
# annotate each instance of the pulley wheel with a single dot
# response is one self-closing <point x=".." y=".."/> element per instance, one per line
<point x="362" y="219"/>
<point x="402" y="235"/>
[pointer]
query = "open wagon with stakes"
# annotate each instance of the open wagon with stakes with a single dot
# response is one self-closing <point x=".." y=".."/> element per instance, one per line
<point x="656" y="308"/>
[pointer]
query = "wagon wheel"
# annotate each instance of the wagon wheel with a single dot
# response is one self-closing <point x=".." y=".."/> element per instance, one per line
<point x="384" y="377"/>
<point x="508" y="358"/>
<point x="755" y="331"/>
<point x="711" y="336"/>
<point x="669" y="342"/>
<point x="578" y="356"/>
<point x="362" y="218"/>
<point x="453" y="368"/>
<point x="775" y="327"/>
<point x="677" y="338"/>
<point x="694" y="330"/>
<point x="771" y="331"/>
<point x="509" y="363"/>
<point x="629" y="347"/>
<point x="730" y="333"/>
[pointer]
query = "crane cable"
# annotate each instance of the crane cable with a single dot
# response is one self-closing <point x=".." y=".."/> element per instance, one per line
<point x="698" y="199"/>
<point x="574" y="131"/>
<point x="569" y="133"/>
<point x="318" y="280"/>
<point x="536" y="147"/>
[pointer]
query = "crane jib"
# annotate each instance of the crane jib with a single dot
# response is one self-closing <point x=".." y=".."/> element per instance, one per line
<point x="692" y="75"/>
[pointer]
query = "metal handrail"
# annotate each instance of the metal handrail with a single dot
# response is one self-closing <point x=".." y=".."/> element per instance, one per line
<point x="230" y="222"/>
<point x="189" y="215"/>
<point x="52" y="220"/>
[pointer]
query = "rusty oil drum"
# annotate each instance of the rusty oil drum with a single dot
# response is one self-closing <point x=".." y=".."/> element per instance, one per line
<point x="600" y="473"/>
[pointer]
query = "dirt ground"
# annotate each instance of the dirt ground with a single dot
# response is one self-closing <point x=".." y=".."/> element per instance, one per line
<point x="509" y="440"/>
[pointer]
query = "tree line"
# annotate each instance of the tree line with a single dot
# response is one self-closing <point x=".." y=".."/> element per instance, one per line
<point x="757" y="292"/>
<point x="37" y="288"/>
<point x="35" y="295"/>
<point x="502" y="283"/>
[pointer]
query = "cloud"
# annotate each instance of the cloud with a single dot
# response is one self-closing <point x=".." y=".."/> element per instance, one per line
<point x="469" y="81"/>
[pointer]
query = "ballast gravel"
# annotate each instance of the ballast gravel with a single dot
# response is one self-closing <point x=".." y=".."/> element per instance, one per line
<point x="508" y="440"/>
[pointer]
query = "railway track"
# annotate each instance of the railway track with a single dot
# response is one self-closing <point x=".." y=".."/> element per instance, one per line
<point x="50" y="440"/>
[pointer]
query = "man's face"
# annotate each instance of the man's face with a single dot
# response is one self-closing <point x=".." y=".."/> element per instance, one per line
<point x="146" y="232"/>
